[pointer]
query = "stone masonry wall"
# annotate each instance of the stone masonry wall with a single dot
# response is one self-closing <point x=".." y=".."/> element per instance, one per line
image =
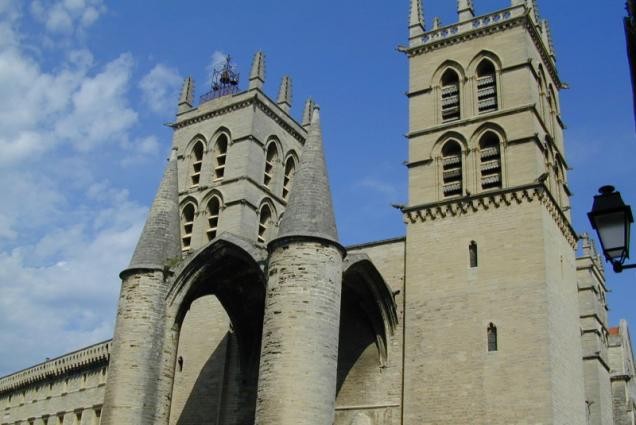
<point x="297" y="375"/>
<point x="65" y="390"/>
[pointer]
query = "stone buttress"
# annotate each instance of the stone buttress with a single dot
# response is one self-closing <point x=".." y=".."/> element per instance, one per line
<point x="299" y="355"/>
<point x="135" y="361"/>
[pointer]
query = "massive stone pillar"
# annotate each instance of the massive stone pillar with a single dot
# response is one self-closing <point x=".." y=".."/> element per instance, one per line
<point x="133" y="379"/>
<point x="299" y="351"/>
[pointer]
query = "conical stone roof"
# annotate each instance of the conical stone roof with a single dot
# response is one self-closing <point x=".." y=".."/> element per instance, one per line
<point x="309" y="211"/>
<point x="160" y="239"/>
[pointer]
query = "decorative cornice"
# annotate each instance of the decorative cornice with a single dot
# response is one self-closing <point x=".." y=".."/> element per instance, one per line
<point x="483" y="26"/>
<point x="474" y="119"/>
<point x="98" y="354"/>
<point x="484" y="201"/>
<point x="257" y="99"/>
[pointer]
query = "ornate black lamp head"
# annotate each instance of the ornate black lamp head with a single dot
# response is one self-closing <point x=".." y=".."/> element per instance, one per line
<point x="611" y="219"/>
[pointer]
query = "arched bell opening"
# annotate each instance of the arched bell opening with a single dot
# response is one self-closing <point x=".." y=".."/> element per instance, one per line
<point x="368" y="319"/>
<point x="216" y="308"/>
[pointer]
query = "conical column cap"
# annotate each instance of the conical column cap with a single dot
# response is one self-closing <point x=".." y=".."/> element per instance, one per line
<point x="309" y="212"/>
<point x="159" y="241"/>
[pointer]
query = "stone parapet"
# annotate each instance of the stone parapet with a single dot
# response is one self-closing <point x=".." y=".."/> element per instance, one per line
<point x="90" y="356"/>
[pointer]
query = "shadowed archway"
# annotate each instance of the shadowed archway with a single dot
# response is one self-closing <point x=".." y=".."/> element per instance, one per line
<point x="216" y="305"/>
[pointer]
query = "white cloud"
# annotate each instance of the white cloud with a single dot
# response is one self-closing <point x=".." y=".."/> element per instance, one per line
<point x="160" y="89"/>
<point x="100" y="111"/>
<point x="65" y="231"/>
<point x="67" y="17"/>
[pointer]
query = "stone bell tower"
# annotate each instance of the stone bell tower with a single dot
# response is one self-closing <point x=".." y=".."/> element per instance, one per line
<point x="491" y="328"/>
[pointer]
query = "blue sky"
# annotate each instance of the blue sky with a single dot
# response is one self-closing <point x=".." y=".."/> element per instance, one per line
<point x="86" y="86"/>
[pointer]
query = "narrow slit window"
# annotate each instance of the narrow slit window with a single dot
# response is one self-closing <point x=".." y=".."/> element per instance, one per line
<point x="486" y="87"/>
<point x="270" y="162"/>
<point x="220" y="157"/>
<point x="180" y="363"/>
<point x="197" y="162"/>
<point x="490" y="161"/>
<point x="450" y="96"/>
<point x="472" y="253"/>
<point x="264" y="222"/>
<point x="214" y="208"/>
<point x="290" y="169"/>
<point x="492" y="338"/>
<point x="452" y="174"/>
<point x="187" y="219"/>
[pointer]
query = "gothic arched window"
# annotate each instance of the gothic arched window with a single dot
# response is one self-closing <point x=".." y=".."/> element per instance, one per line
<point x="452" y="173"/>
<point x="492" y="338"/>
<point x="220" y="155"/>
<point x="264" y="223"/>
<point x="290" y="169"/>
<point x="486" y="87"/>
<point x="271" y="157"/>
<point x="213" y="211"/>
<point x="490" y="161"/>
<point x="197" y="162"/>
<point x="187" y="220"/>
<point x="450" y="96"/>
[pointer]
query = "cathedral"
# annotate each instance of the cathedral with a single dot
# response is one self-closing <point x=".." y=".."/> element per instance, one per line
<point x="240" y="305"/>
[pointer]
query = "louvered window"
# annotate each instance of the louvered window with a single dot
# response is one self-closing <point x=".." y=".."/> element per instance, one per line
<point x="270" y="162"/>
<point x="220" y="157"/>
<point x="486" y="87"/>
<point x="187" y="219"/>
<point x="197" y="162"/>
<point x="214" y="208"/>
<point x="450" y="96"/>
<point x="452" y="169"/>
<point x="264" y="223"/>
<point x="490" y="161"/>
<point x="290" y="169"/>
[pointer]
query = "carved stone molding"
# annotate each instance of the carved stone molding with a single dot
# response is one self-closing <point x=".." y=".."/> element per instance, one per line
<point x="494" y="200"/>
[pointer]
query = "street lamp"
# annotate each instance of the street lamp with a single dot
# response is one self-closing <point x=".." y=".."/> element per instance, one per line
<point x="611" y="219"/>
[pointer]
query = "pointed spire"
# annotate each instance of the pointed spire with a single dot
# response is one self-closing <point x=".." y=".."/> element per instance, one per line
<point x="309" y="108"/>
<point x="309" y="212"/>
<point x="465" y="10"/>
<point x="257" y="76"/>
<point x="160" y="239"/>
<point x="187" y="95"/>
<point x="437" y="23"/>
<point x="416" y="19"/>
<point x="285" y="94"/>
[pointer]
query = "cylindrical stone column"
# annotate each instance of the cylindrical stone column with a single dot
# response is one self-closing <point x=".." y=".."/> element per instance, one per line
<point x="299" y="354"/>
<point x="133" y="373"/>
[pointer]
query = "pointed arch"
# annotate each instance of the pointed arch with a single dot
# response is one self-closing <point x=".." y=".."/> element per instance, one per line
<point x="266" y="221"/>
<point x="487" y="92"/>
<point x="188" y="212"/>
<point x="221" y="145"/>
<point x="213" y="215"/>
<point x="290" y="170"/>
<point x="226" y="276"/>
<point x="479" y="57"/>
<point x="452" y="168"/>
<point x="450" y="98"/>
<point x="196" y="162"/>
<point x="271" y="163"/>
<point x="490" y="160"/>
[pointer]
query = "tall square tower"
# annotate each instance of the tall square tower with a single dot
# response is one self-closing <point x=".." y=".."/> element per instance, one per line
<point x="491" y="314"/>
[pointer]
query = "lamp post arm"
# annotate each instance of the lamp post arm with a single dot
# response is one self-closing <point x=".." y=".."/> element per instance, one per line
<point x="618" y="267"/>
